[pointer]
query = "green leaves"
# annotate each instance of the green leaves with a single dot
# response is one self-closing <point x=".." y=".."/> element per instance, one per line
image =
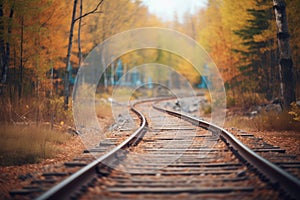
<point x="258" y="45"/>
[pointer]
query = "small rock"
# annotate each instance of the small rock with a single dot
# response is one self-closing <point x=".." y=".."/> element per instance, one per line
<point x="274" y="107"/>
<point x="241" y="173"/>
<point x="24" y="177"/>
<point x="276" y="101"/>
<point x="253" y="113"/>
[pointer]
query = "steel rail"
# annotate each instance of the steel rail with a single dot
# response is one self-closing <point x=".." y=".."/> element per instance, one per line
<point x="74" y="183"/>
<point x="276" y="175"/>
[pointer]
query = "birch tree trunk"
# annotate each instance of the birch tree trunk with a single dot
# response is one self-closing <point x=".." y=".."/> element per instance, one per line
<point x="287" y="84"/>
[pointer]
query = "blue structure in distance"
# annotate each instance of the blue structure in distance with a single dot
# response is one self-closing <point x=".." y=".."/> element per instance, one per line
<point x="204" y="80"/>
<point x="150" y="84"/>
<point x="133" y="78"/>
<point x="119" y="70"/>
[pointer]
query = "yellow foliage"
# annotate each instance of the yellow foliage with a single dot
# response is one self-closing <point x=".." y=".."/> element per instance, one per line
<point x="295" y="111"/>
<point x="216" y="35"/>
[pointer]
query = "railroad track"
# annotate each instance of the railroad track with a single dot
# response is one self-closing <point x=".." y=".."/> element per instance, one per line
<point x="172" y="156"/>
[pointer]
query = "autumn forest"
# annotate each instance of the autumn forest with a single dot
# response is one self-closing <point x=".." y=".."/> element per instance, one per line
<point x="240" y="36"/>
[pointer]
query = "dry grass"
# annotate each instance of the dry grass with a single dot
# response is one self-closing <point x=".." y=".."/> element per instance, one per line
<point x="30" y="110"/>
<point x="266" y="121"/>
<point x="21" y="145"/>
<point x="245" y="99"/>
<point x="104" y="110"/>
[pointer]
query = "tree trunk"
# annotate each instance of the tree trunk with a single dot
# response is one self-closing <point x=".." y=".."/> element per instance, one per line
<point x="104" y="75"/>
<point x="5" y="48"/>
<point x="67" y="83"/>
<point x="7" y="52"/>
<point x="79" y="35"/>
<point x="2" y="46"/>
<point x="285" y="61"/>
<point x="20" y="82"/>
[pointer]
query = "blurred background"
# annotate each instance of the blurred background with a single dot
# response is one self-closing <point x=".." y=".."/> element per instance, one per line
<point x="240" y="36"/>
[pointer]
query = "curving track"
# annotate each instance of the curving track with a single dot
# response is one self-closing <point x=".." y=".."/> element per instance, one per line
<point x="172" y="156"/>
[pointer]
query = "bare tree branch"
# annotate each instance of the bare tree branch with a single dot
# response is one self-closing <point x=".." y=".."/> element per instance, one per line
<point x="68" y="63"/>
<point x="91" y="12"/>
